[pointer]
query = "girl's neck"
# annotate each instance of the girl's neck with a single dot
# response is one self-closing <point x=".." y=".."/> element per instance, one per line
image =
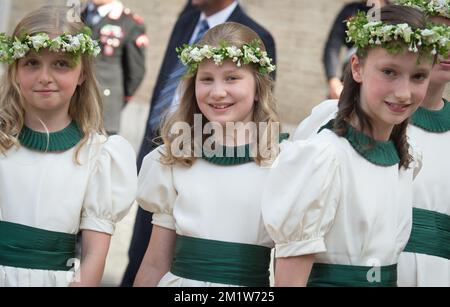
<point x="433" y="99"/>
<point x="380" y="132"/>
<point x="42" y="123"/>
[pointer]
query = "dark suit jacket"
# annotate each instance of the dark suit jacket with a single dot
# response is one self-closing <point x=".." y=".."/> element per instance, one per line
<point x="181" y="34"/>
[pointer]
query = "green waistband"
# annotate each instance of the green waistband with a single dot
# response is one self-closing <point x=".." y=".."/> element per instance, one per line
<point x="430" y="234"/>
<point x="336" y="275"/>
<point x="221" y="262"/>
<point x="32" y="248"/>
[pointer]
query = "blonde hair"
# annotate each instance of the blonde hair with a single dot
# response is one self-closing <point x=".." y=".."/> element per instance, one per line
<point x="264" y="110"/>
<point x="86" y="104"/>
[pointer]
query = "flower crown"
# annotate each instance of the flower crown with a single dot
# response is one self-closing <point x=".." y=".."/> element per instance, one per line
<point x="363" y="33"/>
<point x="431" y="7"/>
<point x="12" y="49"/>
<point x="192" y="55"/>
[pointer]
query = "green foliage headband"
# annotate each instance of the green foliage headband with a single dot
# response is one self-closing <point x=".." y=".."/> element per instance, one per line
<point x="364" y="33"/>
<point x="12" y="49"/>
<point x="192" y="55"/>
<point x="431" y="7"/>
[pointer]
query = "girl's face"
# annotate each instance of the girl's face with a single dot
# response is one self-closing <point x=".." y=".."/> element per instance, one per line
<point x="441" y="71"/>
<point x="47" y="81"/>
<point x="392" y="86"/>
<point x="225" y="93"/>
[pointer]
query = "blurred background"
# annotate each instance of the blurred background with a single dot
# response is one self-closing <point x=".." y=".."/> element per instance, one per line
<point x="300" y="29"/>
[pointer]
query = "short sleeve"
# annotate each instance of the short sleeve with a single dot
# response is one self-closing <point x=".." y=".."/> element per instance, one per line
<point x="320" y="116"/>
<point x="112" y="186"/>
<point x="156" y="192"/>
<point x="301" y="198"/>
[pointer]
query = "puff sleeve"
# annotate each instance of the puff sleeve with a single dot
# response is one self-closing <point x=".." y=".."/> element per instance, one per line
<point x="111" y="187"/>
<point x="301" y="197"/>
<point x="320" y="116"/>
<point x="156" y="192"/>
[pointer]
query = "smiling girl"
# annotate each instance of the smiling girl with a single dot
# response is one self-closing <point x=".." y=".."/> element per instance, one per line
<point x="344" y="216"/>
<point x="208" y="228"/>
<point x="59" y="173"/>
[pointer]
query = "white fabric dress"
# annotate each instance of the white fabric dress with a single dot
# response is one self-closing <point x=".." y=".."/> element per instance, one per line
<point x="49" y="191"/>
<point x="431" y="192"/>
<point x="320" y="116"/>
<point x="324" y="198"/>
<point x="205" y="201"/>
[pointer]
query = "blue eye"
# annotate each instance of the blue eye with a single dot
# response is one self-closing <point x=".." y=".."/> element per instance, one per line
<point x="62" y="64"/>
<point x="388" y="72"/>
<point x="31" y="63"/>
<point x="420" y="77"/>
<point x="232" y="78"/>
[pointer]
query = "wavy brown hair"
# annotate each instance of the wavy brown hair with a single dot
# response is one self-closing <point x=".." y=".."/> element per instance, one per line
<point x="350" y="100"/>
<point x="85" y="107"/>
<point x="264" y="110"/>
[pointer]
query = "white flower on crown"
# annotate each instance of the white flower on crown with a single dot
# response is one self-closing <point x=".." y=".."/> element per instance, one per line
<point x="234" y="52"/>
<point x="19" y="50"/>
<point x="74" y="44"/>
<point x="206" y="52"/>
<point x="430" y="36"/>
<point x="185" y="56"/>
<point x="56" y="44"/>
<point x="439" y="4"/>
<point x="196" y="55"/>
<point x="372" y="24"/>
<point x="39" y="41"/>
<point x="250" y="55"/>
<point x="264" y="61"/>
<point x="218" y="59"/>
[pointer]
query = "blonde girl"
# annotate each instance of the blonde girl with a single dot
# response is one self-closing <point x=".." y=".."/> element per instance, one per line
<point x="208" y="228"/>
<point x="59" y="172"/>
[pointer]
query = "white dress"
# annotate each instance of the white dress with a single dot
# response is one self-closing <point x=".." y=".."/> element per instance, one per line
<point x="205" y="201"/>
<point x="325" y="198"/>
<point x="432" y="193"/>
<point x="49" y="191"/>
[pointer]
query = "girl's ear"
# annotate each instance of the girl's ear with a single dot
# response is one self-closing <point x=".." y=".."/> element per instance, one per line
<point x="81" y="78"/>
<point x="356" y="67"/>
<point x="256" y="96"/>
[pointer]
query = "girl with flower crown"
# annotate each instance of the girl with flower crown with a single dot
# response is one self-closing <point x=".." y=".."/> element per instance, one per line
<point x="208" y="228"/>
<point x="425" y="261"/>
<point x="59" y="172"/>
<point x="345" y="215"/>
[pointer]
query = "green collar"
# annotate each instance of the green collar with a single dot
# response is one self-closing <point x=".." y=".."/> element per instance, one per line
<point x="234" y="155"/>
<point x="377" y="152"/>
<point x="54" y="142"/>
<point x="433" y="121"/>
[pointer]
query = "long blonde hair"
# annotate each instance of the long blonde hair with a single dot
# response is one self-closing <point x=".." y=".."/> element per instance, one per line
<point x="86" y="104"/>
<point x="264" y="110"/>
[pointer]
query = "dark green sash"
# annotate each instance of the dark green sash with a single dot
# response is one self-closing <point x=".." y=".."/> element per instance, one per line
<point x="336" y="275"/>
<point x="430" y="234"/>
<point x="221" y="262"/>
<point x="32" y="248"/>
